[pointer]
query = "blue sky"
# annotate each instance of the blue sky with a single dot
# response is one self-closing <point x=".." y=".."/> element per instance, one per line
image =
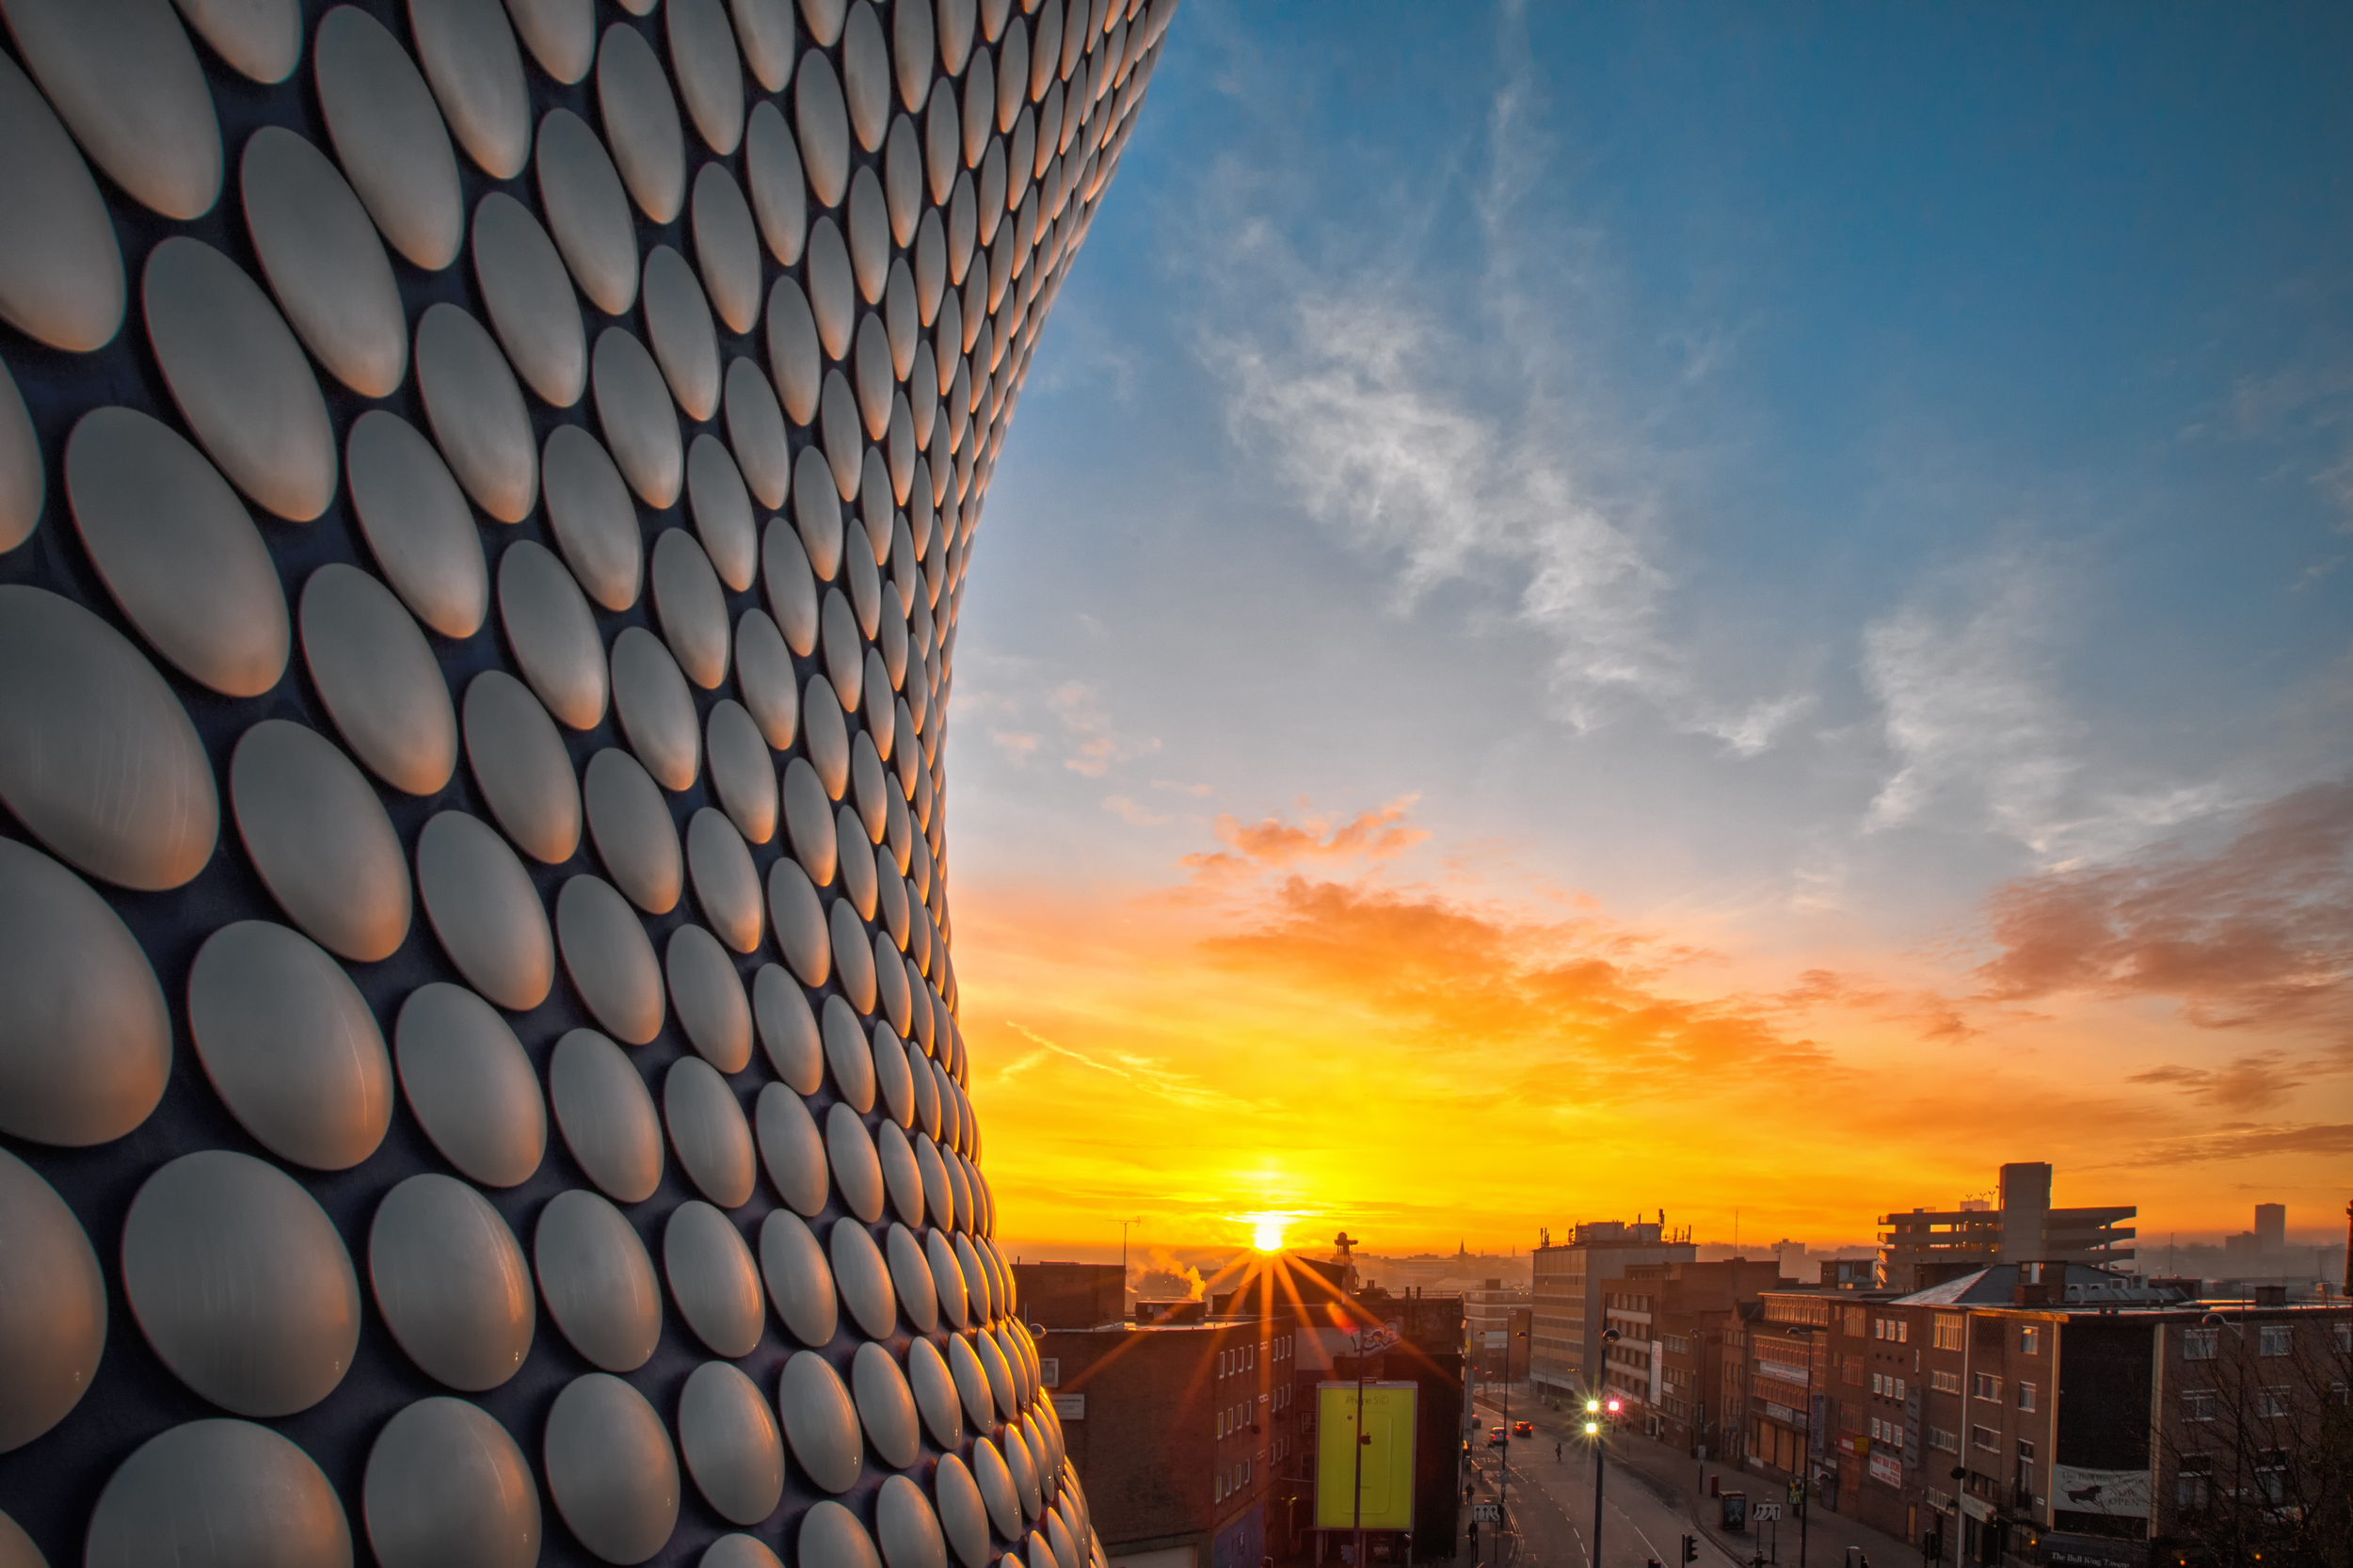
<point x="1776" y="476"/>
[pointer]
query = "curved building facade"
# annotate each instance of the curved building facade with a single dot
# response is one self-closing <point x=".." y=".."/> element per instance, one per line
<point x="485" y="491"/>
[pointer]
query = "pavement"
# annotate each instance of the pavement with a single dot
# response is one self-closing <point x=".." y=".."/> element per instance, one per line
<point x="1651" y="1497"/>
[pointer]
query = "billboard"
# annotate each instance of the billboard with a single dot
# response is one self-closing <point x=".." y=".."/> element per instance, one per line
<point x="1387" y="1486"/>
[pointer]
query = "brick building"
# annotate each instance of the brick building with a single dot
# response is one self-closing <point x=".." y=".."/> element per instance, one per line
<point x="2007" y="1412"/>
<point x="1178" y="1432"/>
<point x="1071" y="1295"/>
<point x="1673" y="1321"/>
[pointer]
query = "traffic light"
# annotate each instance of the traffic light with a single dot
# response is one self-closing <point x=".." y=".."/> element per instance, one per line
<point x="1616" y="1404"/>
<point x="1591" y="1406"/>
<point x="1690" y="1548"/>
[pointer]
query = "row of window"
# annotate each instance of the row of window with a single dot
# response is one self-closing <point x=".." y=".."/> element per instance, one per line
<point x="1986" y="1385"/>
<point x="1896" y="1329"/>
<point x="2274" y="1339"/>
<point x="1887" y="1432"/>
<point x="2199" y="1404"/>
<point x="1233" y="1418"/>
<point x="1232" y="1479"/>
<point x="1886" y="1385"/>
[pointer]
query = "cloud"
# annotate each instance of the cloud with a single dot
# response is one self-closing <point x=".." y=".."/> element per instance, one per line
<point x="1014" y="743"/>
<point x="1176" y="788"/>
<point x="1450" y="425"/>
<point x="1966" y="708"/>
<point x="1272" y="842"/>
<point x="2244" y="1083"/>
<point x="2244" y="1141"/>
<point x="1563" y="1009"/>
<point x="1095" y="745"/>
<point x="1129" y="812"/>
<point x="2259" y="933"/>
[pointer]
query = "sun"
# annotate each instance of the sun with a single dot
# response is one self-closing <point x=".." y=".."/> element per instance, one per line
<point x="1265" y="1231"/>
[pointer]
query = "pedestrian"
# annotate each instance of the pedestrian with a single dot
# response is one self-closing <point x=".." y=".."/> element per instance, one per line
<point x="1555" y="1453"/>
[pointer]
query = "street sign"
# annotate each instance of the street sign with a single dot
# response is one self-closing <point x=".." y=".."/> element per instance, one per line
<point x="1486" y="1513"/>
<point x="1763" y="1513"/>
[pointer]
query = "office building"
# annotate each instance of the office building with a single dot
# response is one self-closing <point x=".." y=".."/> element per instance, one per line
<point x="1926" y="1247"/>
<point x="1566" y="1301"/>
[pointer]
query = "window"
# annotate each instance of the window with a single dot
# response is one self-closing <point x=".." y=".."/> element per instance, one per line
<point x="1944" y="1382"/>
<point x="1050" y="1372"/>
<point x="2025" y="1468"/>
<point x="1985" y="1438"/>
<point x="2273" y="1401"/>
<point x="2271" y="1475"/>
<point x="1852" y="1326"/>
<point x="1879" y="1328"/>
<point x="2196" y="1404"/>
<point x="1948" y="1331"/>
<point x="1850" y="1370"/>
<point x="2026" y="1395"/>
<point x="2197" y="1344"/>
<point x="2345" y="1339"/>
<point x="1895" y="1388"/>
<point x="1877" y="1381"/>
<point x="2030" y="1341"/>
<point x="2273" y="1340"/>
<point x="1903" y="1332"/>
<point x="1948" y="1442"/>
<point x="2189" y="1483"/>
<point x="1985" y="1386"/>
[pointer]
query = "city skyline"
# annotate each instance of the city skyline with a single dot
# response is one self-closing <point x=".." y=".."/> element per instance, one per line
<point x="1591" y="613"/>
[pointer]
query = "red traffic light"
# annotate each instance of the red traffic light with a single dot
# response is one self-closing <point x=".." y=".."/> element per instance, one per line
<point x="1614" y="1406"/>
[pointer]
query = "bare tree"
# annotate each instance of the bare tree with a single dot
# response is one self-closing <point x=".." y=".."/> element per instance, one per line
<point x="2257" y="1444"/>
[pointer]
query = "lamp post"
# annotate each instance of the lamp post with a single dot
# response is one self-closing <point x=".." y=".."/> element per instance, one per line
<point x="1806" y="1331"/>
<point x="1595" y="1429"/>
<point x="1503" y="1471"/>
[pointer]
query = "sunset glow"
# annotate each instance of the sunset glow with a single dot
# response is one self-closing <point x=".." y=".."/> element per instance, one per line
<point x="1562" y="637"/>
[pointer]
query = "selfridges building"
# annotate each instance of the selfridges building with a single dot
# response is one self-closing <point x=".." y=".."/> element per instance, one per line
<point x="485" y="491"/>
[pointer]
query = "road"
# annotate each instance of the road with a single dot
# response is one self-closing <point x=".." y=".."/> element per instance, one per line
<point x="1645" y="1515"/>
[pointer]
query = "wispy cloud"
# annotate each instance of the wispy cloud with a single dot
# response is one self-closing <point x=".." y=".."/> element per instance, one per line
<point x="1133" y="815"/>
<point x="1095" y="745"/>
<point x="1968" y="706"/>
<point x="1450" y="428"/>
<point x="1148" y="1072"/>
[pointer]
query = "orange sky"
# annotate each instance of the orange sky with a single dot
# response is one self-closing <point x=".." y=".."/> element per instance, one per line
<point x="1328" y="1017"/>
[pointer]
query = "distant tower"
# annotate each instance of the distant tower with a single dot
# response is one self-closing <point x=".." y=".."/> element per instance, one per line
<point x="2271" y="1228"/>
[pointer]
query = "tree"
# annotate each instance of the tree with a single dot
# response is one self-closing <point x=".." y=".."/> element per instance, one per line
<point x="2256" y="1440"/>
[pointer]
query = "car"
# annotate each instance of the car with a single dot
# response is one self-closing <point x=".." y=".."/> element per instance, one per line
<point x="1522" y="1429"/>
<point x="1497" y="1437"/>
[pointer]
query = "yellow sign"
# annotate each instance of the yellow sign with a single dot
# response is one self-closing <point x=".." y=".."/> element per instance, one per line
<point x="1385" y="1492"/>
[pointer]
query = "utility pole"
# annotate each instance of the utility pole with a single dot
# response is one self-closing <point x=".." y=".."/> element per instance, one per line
<point x="1357" y="1502"/>
<point x="1123" y="1261"/>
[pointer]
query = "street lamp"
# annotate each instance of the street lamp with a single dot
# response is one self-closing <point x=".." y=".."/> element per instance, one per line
<point x="1594" y="1413"/>
<point x="1503" y="1480"/>
<point x="1806" y="1331"/>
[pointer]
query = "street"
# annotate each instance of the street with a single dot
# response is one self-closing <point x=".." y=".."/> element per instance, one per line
<point x="1648" y="1506"/>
